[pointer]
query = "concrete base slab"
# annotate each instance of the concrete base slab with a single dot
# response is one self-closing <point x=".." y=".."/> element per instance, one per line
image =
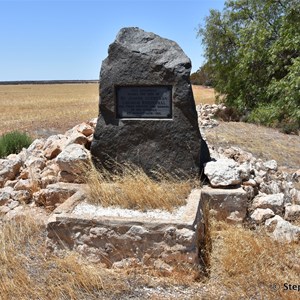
<point x="110" y="235"/>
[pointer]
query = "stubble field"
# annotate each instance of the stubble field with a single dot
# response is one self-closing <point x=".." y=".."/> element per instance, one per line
<point x="45" y="109"/>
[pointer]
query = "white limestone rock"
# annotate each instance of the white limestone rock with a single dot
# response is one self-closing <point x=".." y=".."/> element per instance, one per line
<point x="270" y="187"/>
<point x="244" y="171"/>
<point x="9" y="168"/>
<point x="5" y="195"/>
<point x="295" y="196"/>
<point x="55" y="194"/>
<point x="36" y="161"/>
<point x="70" y="162"/>
<point x="222" y="173"/>
<point x="260" y="215"/>
<point x="84" y="128"/>
<point x="54" y="145"/>
<point x="274" y="202"/>
<point x="271" y="165"/>
<point x="36" y="145"/>
<point x="282" y="230"/>
<point x="292" y="212"/>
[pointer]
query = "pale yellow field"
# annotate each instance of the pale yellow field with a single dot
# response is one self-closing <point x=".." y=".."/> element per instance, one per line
<point x="44" y="109"/>
<point x="204" y="94"/>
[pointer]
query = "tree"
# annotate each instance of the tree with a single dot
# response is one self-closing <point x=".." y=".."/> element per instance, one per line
<point x="252" y="48"/>
<point x="202" y="76"/>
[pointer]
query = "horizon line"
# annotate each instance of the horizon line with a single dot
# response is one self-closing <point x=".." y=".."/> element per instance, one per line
<point x="8" y="82"/>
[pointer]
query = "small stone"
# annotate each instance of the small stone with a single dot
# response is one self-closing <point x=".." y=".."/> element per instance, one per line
<point x="5" y="195"/>
<point x="271" y="165"/>
<point x="162" y="266"/>
<point x="22" y="196"/>
<point x="125" y="263"/>
<point x="27" y="185"/>
<point x="274" y="202"/>
<point x="12" y="204"/>
<point x="292" y="212"/>
<point x="4" y="210"/>
<point x="85" y="129"/>
<point x="295" y="196"/>
<point x="77" y="138"/>
<point x="36" y="145"/>
<point x="244" y="171"/>
<point x="260" y="215"/>
<point x="270" y="187"/>
<point x="36" y="162"/>
<point x="55" y="194"/>
<point x="11" y="183"/>
<point x="250" y="182"/>
<point x="137" y="230"/>
<point x="259" y="180"/>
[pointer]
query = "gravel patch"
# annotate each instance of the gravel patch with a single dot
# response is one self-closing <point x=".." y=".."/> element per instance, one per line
<point x="91" y="210"/>
<point x="184" y="212"/>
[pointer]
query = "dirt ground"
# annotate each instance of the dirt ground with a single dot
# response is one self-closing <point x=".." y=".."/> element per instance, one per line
<point x="262" y="142"/>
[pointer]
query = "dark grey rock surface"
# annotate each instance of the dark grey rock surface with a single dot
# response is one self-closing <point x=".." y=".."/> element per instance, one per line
<point x="139" y="58"/>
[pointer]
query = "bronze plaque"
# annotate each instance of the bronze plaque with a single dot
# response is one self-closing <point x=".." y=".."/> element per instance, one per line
<point x="144" y="102"/>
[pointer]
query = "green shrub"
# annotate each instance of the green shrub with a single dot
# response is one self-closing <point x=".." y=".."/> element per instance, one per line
<point x="13" y="142"/>
<point x="289" y="127"/>
<point x="276" y="115"/>
<point x="265" y="114"/>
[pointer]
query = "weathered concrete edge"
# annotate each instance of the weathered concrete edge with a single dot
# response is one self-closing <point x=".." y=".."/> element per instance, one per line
<point x="63" y="213"/>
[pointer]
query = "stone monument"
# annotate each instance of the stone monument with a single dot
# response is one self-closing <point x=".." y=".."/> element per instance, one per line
<point x="147" y="112"/>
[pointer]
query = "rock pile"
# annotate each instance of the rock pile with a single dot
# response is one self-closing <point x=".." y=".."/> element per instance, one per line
<point x="46" y="173"/>
<point x="245" y="189"/>
<point x="272" y="198"/>
<point x="207" y="113"/>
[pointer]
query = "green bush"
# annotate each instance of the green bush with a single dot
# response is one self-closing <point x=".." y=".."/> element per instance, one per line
<point x="13" y="142"/>
<point x="266" y="114"/>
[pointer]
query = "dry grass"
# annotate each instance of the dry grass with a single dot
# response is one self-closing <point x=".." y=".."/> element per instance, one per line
<point x="250" y="265"/>
<point x="27" y="273"/>
<point x="44" y="109"/>
<point x="244" y="265"/>
<point x="204" y="95"/>
<point x="132" y="188"/>
<point x="264" y="143"/>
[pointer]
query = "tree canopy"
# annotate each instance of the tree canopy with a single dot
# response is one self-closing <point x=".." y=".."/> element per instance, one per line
<point x="202" y="76"/>
<point x="252" y="50"/>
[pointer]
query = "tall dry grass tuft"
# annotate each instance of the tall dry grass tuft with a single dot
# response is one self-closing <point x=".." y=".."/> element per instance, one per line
<point x="250" y="265"/>
<point x="27" y="273"/>
<point x="132" y="188"/>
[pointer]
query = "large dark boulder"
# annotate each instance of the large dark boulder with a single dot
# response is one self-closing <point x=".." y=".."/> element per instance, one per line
<point x="143" y="59"/>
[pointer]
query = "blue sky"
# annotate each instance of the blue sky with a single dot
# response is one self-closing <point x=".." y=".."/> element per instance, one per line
<point x="65" y="40"/>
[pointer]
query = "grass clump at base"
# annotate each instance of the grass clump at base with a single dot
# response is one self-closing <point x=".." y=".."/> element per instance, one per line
<point x="132" y="188"/>
<point x="13" y="142"/>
